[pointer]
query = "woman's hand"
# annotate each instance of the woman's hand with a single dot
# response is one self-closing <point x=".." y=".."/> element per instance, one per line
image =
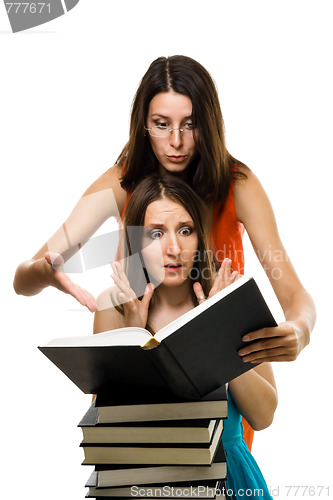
<point x="225" y="276"/>
<point x="60" y="280"/>
<point x="279" y="343"/>
<point x="135" y="310"/>
<point x="284" y="342"/>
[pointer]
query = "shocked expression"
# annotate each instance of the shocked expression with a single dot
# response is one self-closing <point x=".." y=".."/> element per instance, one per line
<point x="170" y="242"/>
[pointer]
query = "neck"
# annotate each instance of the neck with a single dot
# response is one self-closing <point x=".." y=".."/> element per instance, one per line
<point x="169" y="304"/>
<point x="174" y="296"/>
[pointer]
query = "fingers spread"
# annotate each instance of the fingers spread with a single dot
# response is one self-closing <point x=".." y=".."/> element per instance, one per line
<point x="84" y="297"/>
<point x="225" y="276"/>
<point x="121" y="281"/>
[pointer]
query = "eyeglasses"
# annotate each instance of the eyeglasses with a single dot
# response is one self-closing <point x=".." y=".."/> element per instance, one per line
<point x="162" y="130"/>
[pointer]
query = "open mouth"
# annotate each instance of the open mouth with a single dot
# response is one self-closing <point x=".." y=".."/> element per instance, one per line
<point x="173" y="267"/>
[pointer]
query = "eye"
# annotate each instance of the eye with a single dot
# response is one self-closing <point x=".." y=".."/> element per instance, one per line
<point x="162" y="125"/>
<point x="185" y="231"/>
<point x="155" y="234"/>
<point x="189" y="126"/>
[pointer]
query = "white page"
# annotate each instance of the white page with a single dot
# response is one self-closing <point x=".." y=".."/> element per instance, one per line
<point x="120" y="336"/>
<point x="185" y="318"/>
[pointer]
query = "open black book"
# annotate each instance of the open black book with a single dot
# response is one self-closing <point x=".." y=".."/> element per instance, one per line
<point x="191" y="356"/>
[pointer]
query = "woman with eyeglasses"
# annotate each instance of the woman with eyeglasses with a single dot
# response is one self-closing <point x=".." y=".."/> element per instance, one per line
<point x="177" y="127"/>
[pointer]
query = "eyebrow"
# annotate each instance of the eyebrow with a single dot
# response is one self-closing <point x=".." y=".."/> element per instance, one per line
<point x="161" y="226"/>
<point x="167" y="117"/>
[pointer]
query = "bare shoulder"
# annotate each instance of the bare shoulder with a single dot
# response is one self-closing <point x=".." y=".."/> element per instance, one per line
<point x="108" y="298"/>
<point x="104" y="299"/>
<point x="247" y="184"/>
<point x="250" y="197"/>
<point x="110" y="179"/>
<point x="108" y="317"/>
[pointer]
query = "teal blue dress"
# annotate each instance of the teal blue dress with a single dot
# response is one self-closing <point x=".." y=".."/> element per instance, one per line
<point x="244" y="478"/>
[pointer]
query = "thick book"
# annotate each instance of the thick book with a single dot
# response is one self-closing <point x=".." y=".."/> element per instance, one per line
<point x="198" y="489"/>
<point x="139" y="404"/>
<point x="163" y="431"/>
<point x="108" y="476"/>
<point x="153" y="453"/>
<point x="191" y="356"/>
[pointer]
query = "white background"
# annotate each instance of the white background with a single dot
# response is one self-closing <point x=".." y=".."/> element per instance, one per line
<point x="65" y="95"/>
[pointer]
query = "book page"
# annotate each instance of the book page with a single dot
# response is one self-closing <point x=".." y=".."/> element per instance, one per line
<point x="121" y="336"/>
<point x="188" y="316"/>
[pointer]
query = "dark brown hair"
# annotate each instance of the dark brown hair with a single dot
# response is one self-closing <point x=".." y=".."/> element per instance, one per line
<point x="155" y="188"/>
<point x="211" y="171"/>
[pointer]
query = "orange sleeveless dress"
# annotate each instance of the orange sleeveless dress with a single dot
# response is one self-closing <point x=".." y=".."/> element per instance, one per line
<point x="226" y="241"/>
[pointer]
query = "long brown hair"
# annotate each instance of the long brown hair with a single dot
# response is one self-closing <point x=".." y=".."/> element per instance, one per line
<point x="155" y="188"/>
<point x="212" y="170"/>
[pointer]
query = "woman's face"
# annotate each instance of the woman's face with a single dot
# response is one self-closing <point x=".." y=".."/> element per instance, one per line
<point x="170" y="242"/>
<point x="176" y="150"/>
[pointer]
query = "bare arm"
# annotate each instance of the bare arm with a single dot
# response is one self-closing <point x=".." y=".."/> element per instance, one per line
<point x="285" y="342"/>
<point x="254" y="392"/>
<point x="103" y="199"/>
<point x="107" y="317"/>
<point x="255" y="395"/>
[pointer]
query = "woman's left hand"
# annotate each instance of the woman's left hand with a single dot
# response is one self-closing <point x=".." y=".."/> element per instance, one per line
<point x="225" y="276"/>
<point x="135" y="310"/>
<point x="279" y="343"/>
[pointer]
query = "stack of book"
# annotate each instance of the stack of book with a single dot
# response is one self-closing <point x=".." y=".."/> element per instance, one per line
<point x="156" y="446"/>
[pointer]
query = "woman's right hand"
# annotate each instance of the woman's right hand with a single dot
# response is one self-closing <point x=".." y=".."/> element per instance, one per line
<point x="135" y="310"/>
<point x="54" y="275"/>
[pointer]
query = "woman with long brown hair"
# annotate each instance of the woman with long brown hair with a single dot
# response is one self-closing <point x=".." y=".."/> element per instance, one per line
<point x="170" y="241"/>
<point x="177" y="127"/>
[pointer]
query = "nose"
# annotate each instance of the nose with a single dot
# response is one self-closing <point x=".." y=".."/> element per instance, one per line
<point x="176" y="138"/>
<point x="173" y="248"/>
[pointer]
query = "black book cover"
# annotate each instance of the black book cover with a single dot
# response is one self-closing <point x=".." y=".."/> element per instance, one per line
<point x="198" y="357"/>
<point x="136" y="404"/>
<point x="124" y="395"/>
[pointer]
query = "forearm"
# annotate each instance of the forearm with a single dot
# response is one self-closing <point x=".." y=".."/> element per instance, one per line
<point x="255" y="397"/>
<point x="301" y="311"/>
